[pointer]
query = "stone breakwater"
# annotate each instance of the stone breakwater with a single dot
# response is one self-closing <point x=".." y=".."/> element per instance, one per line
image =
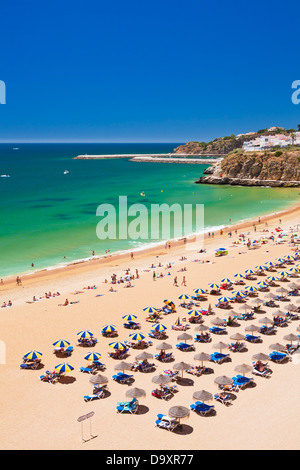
<point x="159" y="158"/>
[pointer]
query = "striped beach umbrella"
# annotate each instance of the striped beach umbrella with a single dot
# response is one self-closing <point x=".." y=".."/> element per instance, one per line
<point x="262" y="284"/>
<point x="64" y="367"/>
<point x="168" y="302"/>
<point x="272" y="278"/>
<point x="137" y="337"/>
<point x="93" y="356"/>
<point x="214" y="286"/>
<point x="150" y="310"/>
<point x="260" y="268"/>
<point x="177" y="322"/>
<point x="250" y="289"/>
<point x="194" y="313"/>
<point x="237" y="293"/>
<point x="61" y="343"/>
<point x="129" y="317"/>
<point x="158" y="327"/>
<point x="226" y="280"/>
<point x="199" y="291"/>
<point x="249" y="271"/>
<point x="117" y="345"/>
<point x="288" y="258"/>
<point x="85" y="334"/>
<point x="184" y="297"/>
<point x="269" y="263"/>
<point x="280" y="260"/>
<point x="294" y="270"/>
<point x="238" y="276"/>
<point x="32" y="355"/>
<point x="224" y="299"/>
<point x="109" y="328"/>
<point x="283" y="273"/>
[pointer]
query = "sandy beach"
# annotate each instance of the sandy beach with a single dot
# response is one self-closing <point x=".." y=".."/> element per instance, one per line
<point x="37" y="415"/>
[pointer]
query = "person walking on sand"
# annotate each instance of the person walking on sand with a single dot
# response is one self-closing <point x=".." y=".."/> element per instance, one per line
<point x="183" y="281"/>
<point x="18" y="280"/>
<point x="154" y="275"/>
<point x="175" y="281"/>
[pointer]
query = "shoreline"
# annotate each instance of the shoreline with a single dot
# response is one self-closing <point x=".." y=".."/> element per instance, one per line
<point x="93" y="263"/>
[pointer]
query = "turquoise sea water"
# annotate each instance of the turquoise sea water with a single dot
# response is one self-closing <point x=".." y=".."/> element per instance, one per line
<point x="48" y="217"/>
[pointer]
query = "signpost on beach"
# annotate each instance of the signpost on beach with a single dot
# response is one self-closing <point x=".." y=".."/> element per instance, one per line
<point x="83" y="418"/>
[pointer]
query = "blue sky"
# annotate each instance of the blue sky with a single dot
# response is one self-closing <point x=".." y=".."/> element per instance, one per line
<point x="146" y="71"/>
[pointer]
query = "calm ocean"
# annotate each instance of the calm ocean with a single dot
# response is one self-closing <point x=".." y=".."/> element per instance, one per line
<point x="48" y="217"/>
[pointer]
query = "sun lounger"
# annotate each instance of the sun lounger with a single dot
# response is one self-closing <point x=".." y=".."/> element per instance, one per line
<point x="226" y="399"/>
<point x="99" y="365"/>
<point x="240" y="382"/>
<point x="122" y="378"/>
<point x="262" y="373"/>
<point x="253" y="339"/>
<point x="30" y="365"/>
<point x="219" y="357"/>
<point x="163" y="358"/>
<point x="171" y="373"/>
<point x="277" y="356"/>
<point x="185" y="347"/>
<point x="217" y="330"/>
<point x="163" y="394"/>
<point x="236" y="348"/>
<point x="94" y="396"/>
<point x="164" y="422"/>
<point x="202" y="339"/>
<point x="202" y="408"/>
<point x="267" y="330"/>
<point x="130" y="407"/>
<point x="88" y="370"/>
<point x="132" y="325"/>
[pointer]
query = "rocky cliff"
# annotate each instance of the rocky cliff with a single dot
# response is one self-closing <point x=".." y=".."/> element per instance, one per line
<point x="271" y="168"/>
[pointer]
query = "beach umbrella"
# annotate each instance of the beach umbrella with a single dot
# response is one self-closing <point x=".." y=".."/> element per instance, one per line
<point x="283" y="273"/>
<point x="161" y="379"/>
<point x="184" y="297"/>
<point x="137" y="337"/>
<point x="257" y="301"/>
<point x="123" y="366"/>
<point x="194" y="313"/>
<point x="249" y="271"/>
<point x="32" y="355"/>
<point x="252" y="328"/>
<point x="245" y="308"/>
<point x="179" y="412"/>
<point x="164" y="346"/>
<point x="220" y="346"/>
<point x="184" y="337"/>
<point x="294" y="270"/>
<point x="237" y="293"/>
<point x="214" y="286"/>
<point x="129" y="317"/>
<point x="277" y="347"/>
<point x="269" y="263"/>
<point x="201" y="328"/>
<point x="98" y="379"/>
<point x="237" y="336"/>
<point x="93" y="356"/>
<point x="243" y="368"/>
<point x="109" y="328"/>
<point x="223" y="380"/>
<point x="290" y="307"/>
<point x="144" y="355"/>
<point x="224" y="299"/>
<point x="238" y="276"/>
<point x="226" y="281"/>
<point x="260" y="357"/>
<point x="61" y="343"/>
<point x="230" y="313"/>
<point x="217" y="321"/>
<point x="272" y="278"/>
<point x="202" y="357"/>
<point x="288" y="257"/>
<point x="182" y="366"/>
<point x="293" y="285"/>
<point x="150" y="310"/>
<point x="281" y="290"/>
<point x="270" y="295"/>
<point x="265" y="321"/>
<point x="280" y="260"/>
<point x="158" y="327"/>
<point x="291" y="337"/>
<point x="202" y="395"/>
<point x="259" y="268"/>
<point x="135" y="393"/>
<point x="250" y="289"/>
<point x="278" y="313"/>
<point x="200" y="291"/>
<point x="168" y="302"/>
<point x="262" y="284"/>
<point x="64" y="367"/>
<point x="177" y="322"/>
<point x="85" y="334"/>
<point x="117" y="345"/>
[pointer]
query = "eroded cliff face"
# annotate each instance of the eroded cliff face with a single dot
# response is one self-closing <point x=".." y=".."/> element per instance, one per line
<point x="221" y="147"/>
<point x="262" y="166"/>
<point x="257" y="169"/>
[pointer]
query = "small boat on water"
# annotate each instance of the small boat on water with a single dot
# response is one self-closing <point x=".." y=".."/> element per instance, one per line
<point x="5" y="176"/>
<point x="66" y="172"/>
